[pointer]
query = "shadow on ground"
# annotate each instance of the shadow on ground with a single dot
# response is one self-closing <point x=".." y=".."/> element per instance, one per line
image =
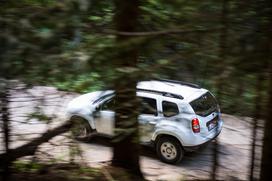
<point x="203" y="153"/>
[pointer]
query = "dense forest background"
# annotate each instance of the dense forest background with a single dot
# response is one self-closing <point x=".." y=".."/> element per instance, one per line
<point x="185" y="40"/>
<point x="87" y="45"/>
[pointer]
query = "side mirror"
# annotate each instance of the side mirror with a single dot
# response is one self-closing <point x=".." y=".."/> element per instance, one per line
<point x="96" y="112"/>
<point x="97" y="108"/>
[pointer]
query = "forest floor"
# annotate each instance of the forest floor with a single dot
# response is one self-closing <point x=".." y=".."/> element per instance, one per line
<point x="26" y="171"/>
<point x="234" y="141"/>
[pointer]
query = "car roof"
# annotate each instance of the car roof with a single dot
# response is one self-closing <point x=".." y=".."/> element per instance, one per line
<point x="179" y="90"/>
<point x="185" y="91"/>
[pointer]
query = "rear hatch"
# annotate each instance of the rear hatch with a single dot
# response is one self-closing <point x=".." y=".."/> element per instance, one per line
<point x="207" y="111"/>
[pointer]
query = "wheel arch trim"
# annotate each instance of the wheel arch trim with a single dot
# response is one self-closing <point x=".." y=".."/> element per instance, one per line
<point x="165" y="133"/>
<point x="89" y="119"/>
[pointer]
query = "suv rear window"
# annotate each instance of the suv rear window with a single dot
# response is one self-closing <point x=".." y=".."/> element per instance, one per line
<point x="169" y="109"/>
<point x="204" y="105"/>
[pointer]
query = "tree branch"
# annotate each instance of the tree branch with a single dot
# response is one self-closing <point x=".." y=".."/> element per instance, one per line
<point x="163" y="32"/>
<point x="31" y="147"/>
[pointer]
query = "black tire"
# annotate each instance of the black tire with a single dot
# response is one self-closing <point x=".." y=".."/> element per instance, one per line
<point x="169" y="150"/>
<point x="81" y="130"/>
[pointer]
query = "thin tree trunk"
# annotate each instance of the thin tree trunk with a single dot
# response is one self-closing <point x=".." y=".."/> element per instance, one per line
<point x="258" y="101"/>
<point x="266" y="164"/>
<point x="4" y="103"/>
<point x="4" y="98"/>
<point x="126" y="147"/>
<point x="222" y="56"/>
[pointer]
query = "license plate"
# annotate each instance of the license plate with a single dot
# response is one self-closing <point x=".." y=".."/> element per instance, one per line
<point x="213" y="123"/>
<point x="211" y="126"/>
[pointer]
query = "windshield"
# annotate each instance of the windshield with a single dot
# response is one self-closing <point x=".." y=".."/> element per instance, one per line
<point x="204" y="105"/>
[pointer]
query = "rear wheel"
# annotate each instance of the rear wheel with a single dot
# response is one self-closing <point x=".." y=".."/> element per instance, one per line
<point x="81" y="130"/>
<point x="169" y="150"/>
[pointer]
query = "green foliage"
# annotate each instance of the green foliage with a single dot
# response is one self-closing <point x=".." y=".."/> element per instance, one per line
<point x="68" y="172"/>
<point x="26" y="166"/>
<point x="70" y="45"/>
<point x="82" y="83"/>
<point x="39" y="116"/>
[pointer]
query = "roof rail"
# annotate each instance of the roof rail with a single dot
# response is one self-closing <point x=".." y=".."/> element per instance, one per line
<point x="166" y="94"/>
<point x="180" y="82"/>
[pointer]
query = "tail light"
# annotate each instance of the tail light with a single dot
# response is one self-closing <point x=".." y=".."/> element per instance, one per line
<point x="195" y="125"/>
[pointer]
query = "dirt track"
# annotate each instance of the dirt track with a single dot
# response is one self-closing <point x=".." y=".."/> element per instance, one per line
<point x="234" y="141"/>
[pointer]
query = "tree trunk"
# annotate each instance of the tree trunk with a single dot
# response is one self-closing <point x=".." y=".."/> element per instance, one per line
<point x="258" y="101"/>
<point x="266" y="165"/>
<point x="126" y="146"/>
<point x="4" y="100"/>
<point x="220" y="81"/>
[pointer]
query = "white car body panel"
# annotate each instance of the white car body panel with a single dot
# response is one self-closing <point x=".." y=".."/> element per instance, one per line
<point x="151" y="126"/>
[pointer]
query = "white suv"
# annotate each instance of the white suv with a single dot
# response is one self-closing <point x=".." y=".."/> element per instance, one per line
<point x="175" y="116"/>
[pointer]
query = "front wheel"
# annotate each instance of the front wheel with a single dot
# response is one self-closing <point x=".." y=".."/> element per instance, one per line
<point x="169" y="150"/>
<point x="81" y="130"/>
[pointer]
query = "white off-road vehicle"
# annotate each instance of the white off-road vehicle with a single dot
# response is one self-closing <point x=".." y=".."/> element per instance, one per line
<point x="175" y="116"/>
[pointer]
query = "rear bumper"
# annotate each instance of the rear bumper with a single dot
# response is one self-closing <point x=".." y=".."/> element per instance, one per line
<point x="204" y="140"/>
<point x="196" y="147"/>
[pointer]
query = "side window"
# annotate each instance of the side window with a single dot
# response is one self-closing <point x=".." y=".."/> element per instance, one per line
<point x="108" y="105"/>
<point x="148" y="106"/>
<point x="169" y="109"/>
